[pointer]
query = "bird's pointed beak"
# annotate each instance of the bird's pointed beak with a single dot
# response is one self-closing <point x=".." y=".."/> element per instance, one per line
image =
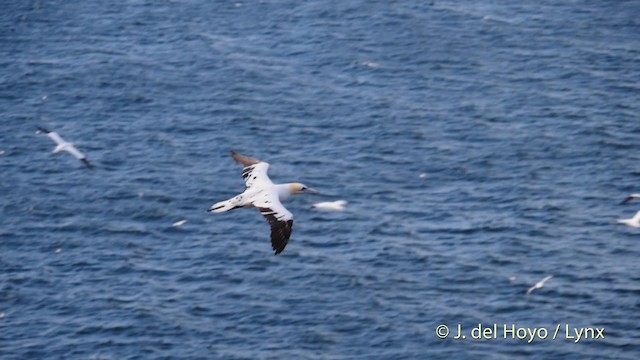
<point x="311" y="191"/>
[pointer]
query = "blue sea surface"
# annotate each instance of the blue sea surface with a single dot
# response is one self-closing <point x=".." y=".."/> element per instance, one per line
<point x="481" y="146"/>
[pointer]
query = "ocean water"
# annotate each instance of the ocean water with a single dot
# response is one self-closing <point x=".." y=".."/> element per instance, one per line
<point x="481" y="145"/>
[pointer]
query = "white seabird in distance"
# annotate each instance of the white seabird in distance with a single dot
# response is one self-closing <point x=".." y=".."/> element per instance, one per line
<point x="633" y="222"/>
<point x="539" y="284"/>
<point x="65" y="146"/>
<point x="337" y="205"/>
<point x="179" y="223"/>
<point x="261" y="193"/>
<point x="631" y="197"/>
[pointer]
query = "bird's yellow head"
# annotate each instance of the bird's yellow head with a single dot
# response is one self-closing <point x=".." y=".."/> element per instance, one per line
<point x="298" y="188"/>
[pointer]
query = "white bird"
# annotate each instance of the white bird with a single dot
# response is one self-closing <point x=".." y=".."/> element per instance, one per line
<point x="261" y="193"/>
<point x="337" y="205"/>
<point x="65" y="146"/>
<point x="539" y="284"/>
<point x="631" y="197"/>
<point x="633" y="222"/>
<point x="179" y="223"/>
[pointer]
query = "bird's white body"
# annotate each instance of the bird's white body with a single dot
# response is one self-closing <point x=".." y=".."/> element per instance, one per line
<point x="633" y="222"/>
<point x="539" y="284"/>
<point x="337" y="205"/>
<point x="260" y="193"/>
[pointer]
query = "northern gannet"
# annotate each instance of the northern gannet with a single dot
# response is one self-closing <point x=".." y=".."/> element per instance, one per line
<point x="263" y="194"/>
<point x="179" y="223"/>
<point x="633" y="222"/>
<point x="539" y="284"/>
<point x="65" y="146"/>
<point x="337" y="205"/>
<point x="631" y="197"/>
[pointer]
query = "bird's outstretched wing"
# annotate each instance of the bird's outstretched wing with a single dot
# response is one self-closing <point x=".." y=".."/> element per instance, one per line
<point x="75" y="152"/>
<point x="279" y="218"/>
<point x="530" y="290"/>
<point x="244" y="160"/>
<point x="630" y="197"/>
<point x="55" y="137"/>
<point x="52" y="135"/>
<point x="254" y="171"/>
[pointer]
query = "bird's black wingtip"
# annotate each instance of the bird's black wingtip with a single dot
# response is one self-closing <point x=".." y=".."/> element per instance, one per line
<point x="40" y="128"/>
<point x="278" y="247"/>
<point x="87" y="164"/>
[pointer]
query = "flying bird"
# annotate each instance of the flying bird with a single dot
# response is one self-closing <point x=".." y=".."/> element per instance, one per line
<point x="539" y="284"/>
<point x="179" y="223"/>
<point x="337" y="205"/>
<point x="65" y="146"/>
<point x="633" y="222"/>
<point x="631" y="197"/>
<point x="266" y="196"/>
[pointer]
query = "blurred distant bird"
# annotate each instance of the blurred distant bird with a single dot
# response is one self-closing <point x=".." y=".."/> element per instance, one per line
<point x="179" y="223"/>
<point x="261" y="193"/>
<point x="633" y="222"/>
<point x="539" y="284"/>
<point x="65" y="146"/>
<point x="631" y="197"/>
<point x="337" y="205"/>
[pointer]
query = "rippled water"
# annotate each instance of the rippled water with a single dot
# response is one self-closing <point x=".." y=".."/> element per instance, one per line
<point x="481" y="145"/>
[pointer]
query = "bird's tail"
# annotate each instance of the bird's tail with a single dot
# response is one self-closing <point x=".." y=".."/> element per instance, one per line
<point x="223" y="206"/>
